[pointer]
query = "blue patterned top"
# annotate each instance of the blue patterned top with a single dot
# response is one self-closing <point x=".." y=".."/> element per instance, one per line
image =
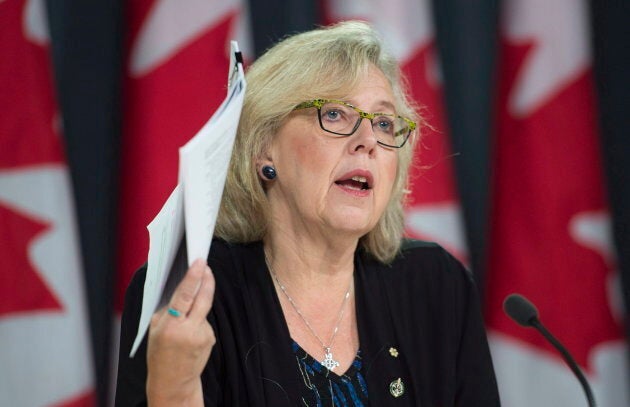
<point x="323" y="388"/>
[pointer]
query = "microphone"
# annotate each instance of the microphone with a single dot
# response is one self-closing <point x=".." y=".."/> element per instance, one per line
<point x="525" y="313"/>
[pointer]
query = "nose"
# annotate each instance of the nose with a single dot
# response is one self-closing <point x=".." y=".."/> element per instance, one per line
<point x="363" y="139"/>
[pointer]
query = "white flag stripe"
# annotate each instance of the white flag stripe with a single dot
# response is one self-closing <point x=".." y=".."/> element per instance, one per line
<point x="47" y="352"/>
<point x="529" y="377"/>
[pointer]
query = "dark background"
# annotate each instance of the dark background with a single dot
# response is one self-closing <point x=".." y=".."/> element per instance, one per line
<point x="88" y="39"/>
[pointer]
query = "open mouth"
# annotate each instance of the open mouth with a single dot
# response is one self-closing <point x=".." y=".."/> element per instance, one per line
<point x="357" y="182"/>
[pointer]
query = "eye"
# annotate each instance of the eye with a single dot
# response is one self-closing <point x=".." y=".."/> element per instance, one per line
<point x="337" y="113"/>
<point x="384" y="124"/>
<point x="332" y="114"/>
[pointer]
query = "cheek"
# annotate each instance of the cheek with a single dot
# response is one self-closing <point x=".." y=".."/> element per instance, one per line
<point x="312" y="154"/>
<point x="390" y="170"/>
<point x="302" y="149"/>
<point x="388" y="174"/>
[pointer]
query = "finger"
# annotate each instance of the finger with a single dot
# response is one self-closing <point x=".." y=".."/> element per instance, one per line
<point x="205" y="296"/>
<point x="184" y="295"/>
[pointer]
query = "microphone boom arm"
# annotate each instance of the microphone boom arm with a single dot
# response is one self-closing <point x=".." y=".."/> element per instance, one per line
<point x="568" y="359"/>
<point x="523" y="312"/>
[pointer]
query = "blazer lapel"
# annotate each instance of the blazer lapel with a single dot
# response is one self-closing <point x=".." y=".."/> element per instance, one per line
<point x="386" y="371"/>
<point x="272" y="356"/>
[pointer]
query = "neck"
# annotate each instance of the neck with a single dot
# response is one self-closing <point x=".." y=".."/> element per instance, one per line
<point x="313" y="279"/>
<point x="317" y="264"/>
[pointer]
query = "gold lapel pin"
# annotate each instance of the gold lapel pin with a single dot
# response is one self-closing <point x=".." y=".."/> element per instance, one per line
<point x="397" y="388"/>
<point x="393" y="351"/>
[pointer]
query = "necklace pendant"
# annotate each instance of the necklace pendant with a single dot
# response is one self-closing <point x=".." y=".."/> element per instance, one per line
<point x="328" y="362"/>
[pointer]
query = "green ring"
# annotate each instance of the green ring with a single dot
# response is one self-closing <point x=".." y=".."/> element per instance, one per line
<point x="174" y="312"/>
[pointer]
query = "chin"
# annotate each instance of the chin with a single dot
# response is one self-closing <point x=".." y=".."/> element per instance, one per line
<point x="355" y="224"/>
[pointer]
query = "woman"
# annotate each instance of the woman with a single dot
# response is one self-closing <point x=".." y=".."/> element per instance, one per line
<point x="319" y="300"/>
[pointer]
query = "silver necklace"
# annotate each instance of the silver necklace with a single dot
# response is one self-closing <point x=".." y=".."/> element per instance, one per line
<point x="328" y="362"/>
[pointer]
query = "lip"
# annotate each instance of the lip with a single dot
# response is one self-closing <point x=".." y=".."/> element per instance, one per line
<point x="357" y="173"/>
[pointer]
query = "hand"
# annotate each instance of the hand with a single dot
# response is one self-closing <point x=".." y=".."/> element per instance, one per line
<point x="179" y="346"/>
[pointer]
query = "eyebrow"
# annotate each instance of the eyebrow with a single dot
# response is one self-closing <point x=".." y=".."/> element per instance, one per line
<point x="381" y="103"/>
<point x="387" y="105"/>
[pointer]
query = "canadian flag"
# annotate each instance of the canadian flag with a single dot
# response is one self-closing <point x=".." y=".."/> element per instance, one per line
<point x="406" y="27"/>
<point x="551" y="238"/>
<point x="175" y="77"/>
<point x="45" y="353"/>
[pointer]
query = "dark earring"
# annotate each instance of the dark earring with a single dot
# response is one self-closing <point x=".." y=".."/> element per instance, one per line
<point x="269" y="172"/>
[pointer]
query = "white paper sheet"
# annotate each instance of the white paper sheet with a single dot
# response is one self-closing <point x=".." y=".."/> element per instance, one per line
<point x="193" y="205"/>
<point x="165" y="233"/>
<point x="203" y="166"/>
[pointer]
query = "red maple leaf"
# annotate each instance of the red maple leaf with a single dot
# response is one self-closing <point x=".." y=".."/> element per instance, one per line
<point x="27" y="137"/>
<point x="21" y="287"/>
<point x="548" y="170"/>
<point x="164" y="109"/>
<point x="27" y="103"/>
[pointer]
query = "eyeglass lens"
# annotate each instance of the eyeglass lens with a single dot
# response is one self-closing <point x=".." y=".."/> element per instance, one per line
<point x="341" y="119"/>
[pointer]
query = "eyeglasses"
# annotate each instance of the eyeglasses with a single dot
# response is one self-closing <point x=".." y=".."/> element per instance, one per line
<point x="343" y="119"/>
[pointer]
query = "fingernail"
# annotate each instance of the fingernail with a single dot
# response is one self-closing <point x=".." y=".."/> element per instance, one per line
<point x="198" y="263"/>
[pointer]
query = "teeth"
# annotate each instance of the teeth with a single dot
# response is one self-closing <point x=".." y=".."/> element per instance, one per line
<point x="359" y="179"/>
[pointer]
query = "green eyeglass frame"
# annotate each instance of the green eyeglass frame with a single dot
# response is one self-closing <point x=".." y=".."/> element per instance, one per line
<point x="319" y="103"/>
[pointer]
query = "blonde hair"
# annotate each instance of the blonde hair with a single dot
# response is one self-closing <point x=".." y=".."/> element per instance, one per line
<point x="323" y="63"/>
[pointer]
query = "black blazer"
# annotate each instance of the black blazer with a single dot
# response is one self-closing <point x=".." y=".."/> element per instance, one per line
<point x="424" y="304"/>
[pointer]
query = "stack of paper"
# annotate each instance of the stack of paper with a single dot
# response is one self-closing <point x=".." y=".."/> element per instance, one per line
<point x="194" y="203"/>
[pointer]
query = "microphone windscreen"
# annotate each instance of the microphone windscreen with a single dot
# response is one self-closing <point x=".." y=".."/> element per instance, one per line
<point x="520" y="309"/>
